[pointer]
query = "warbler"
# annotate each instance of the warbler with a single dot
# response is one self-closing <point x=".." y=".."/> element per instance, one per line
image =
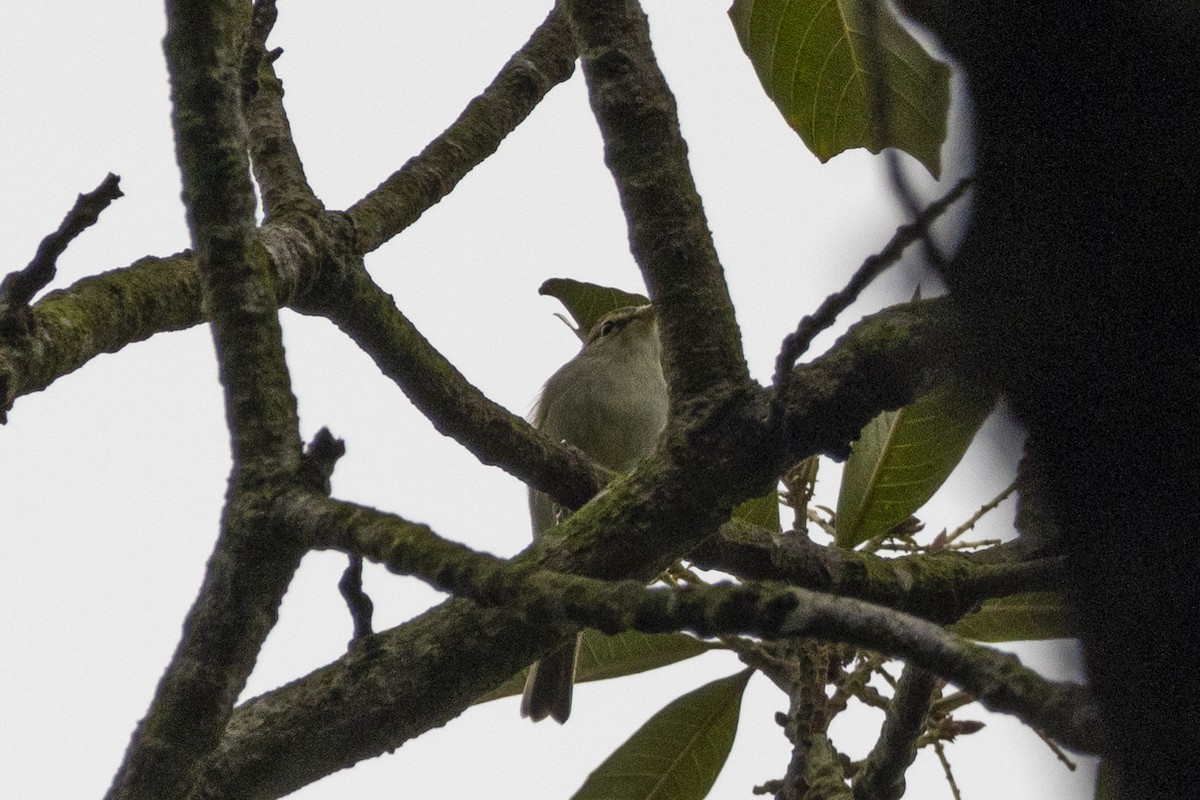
<point x="610" y="401"/>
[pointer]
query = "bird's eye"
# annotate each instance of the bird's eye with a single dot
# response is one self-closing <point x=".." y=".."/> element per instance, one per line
<point x="607" y="328"/>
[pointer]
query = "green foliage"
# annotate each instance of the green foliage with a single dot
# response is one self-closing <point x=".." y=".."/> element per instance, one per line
<point x="602" y="657"/>
<point x="587" y="302"/>
<point x="761" y="511"/>
<point x="1018" y="618"/>
<point x="815" y="61"/>
<point x="902" y="457"/>
<point x="678" y="753"/>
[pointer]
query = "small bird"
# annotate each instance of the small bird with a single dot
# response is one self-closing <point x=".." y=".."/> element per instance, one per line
<point x="610" y="401"/>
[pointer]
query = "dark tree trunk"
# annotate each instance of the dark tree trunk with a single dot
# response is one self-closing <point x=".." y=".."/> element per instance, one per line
<point x="1080" y="274"/>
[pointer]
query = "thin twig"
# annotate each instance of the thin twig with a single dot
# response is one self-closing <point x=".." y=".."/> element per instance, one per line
<point x="357" y="600"/>
<point x="798" y="342"/>
<point x="1058" y="751"/>
<point x="951" y="703"/>
<point x="882" y="112"/>
<point x="18" y="288"/>
<point x="940" y="749"/>
<point x="974" y="518"/>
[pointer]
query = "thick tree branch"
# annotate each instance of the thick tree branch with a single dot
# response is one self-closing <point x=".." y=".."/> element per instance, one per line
<point x="536" y="603"/>
<point x="278" y="170"/>
<point x="883" y="362"/>
<point x="255" y="557"/>
<point x="105" y="312"/>
<point x="939" y="587"/>
<point x="204" y="54"/>
<point x="99" y="314"/>
<point x="546" y="60"/>
<point x="668" y="231"/>
<point x="997" y="680"/>
<point x="454" y="406"/>
<point x="719" y="452"/>
<point x="390" y="688"/>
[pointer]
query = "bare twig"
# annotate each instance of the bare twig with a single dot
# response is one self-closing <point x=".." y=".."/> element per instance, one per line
<point x="978" y="515"/>
<point x="316" y="468"/>
<point x="797" y="343"/>
<point x="357" y="600"/>
<point x="940" y="749"/>
<point x="882" y="112"/>
<point x="1058" y="751"/>
<point x="18" y="288"/>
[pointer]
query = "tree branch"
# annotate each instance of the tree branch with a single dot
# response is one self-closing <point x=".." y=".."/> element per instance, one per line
<point x="997" y="680"/>
<point x="98" y="314"/>
<point x="546" y="60"/>
<point x="363" y="704"/>
<point x="882" y="776"/>
<point x="239" y="287"/>
<point x="883" y="362"/>
<point x="668" y="231"/>
<point x="18" y="288"/>
<point x="104" y="313"/>
<point x="938" y="587"/>
<point x="454" y="406"/>
<point x="255" y="557"/>
<point x="278" y="170"/>
<point x="796" y="343"/>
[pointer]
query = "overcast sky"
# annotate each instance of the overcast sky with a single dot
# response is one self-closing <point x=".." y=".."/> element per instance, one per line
<point x="111" y="481"/>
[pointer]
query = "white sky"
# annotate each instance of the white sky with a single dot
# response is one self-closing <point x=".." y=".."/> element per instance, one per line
<point x="111" y="481"/>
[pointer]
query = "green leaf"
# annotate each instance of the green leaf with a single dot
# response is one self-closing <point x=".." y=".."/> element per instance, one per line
<point x="761" y="511"/>
<point x="1019" y="618"/>
<point x="588" y="302"/>
<point x="678" y="753"/>
<point x="602" y="657"/>
<point x="902" y="457"/>
<point x="813" y="59"/>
